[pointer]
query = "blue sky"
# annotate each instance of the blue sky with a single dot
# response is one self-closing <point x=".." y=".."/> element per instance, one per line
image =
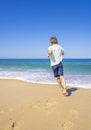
<point x="27" y="25"/>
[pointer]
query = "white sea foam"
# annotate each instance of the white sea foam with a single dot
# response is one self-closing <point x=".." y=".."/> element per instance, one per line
<point x="47" y="77"/>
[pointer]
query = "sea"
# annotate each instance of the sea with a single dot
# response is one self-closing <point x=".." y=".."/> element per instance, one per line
<point x="77" y="72"/>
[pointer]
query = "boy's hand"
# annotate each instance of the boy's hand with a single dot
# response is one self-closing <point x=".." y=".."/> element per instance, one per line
<point x="62" y="52"/>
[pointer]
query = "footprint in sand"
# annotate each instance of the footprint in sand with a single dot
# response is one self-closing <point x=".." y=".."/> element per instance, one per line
<point x="20" y="122"/>
<point x="67" y="125"/>
<point x="74" y="113"/>
<point x="47" y="105"/>
<point x="17" y="125"/>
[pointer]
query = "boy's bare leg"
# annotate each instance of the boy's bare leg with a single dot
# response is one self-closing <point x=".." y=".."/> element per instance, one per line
<point x="63" y="83"/>
<point x="60" y="83"/>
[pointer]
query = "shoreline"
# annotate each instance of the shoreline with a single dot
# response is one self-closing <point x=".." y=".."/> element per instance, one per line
<point x="25" y="106"/>
<point x="43" y="83"/>
<point x="27" y="81"/>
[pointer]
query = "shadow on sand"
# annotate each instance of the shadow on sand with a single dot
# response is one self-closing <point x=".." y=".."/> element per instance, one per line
<point x="71" y="90"/>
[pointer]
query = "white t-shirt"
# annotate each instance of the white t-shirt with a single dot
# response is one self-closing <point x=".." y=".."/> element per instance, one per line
<point x="56" y="56"/>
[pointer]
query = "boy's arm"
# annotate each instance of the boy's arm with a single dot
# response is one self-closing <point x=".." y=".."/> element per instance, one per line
<point x="62" y="52"/>
<point x="49" y="53"/>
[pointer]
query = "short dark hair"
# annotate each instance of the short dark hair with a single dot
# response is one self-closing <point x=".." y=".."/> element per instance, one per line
<point x="53" y="40"/>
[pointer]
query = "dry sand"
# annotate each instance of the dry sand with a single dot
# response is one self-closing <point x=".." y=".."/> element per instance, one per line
<point x="29" y="106"/>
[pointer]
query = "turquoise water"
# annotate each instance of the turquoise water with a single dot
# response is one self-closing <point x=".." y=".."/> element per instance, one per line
<point x="76" y="71"/>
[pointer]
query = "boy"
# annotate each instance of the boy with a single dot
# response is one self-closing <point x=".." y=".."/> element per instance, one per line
<point x="55" y="52"/>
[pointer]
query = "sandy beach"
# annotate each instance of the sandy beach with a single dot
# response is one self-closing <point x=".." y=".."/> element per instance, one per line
<point x="32" y="106"/>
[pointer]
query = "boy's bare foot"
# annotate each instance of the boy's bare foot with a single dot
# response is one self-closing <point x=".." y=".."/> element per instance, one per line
<point x="65" y="93"/>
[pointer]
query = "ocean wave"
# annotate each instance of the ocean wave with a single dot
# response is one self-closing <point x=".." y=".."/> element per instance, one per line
<point x="46" y="77"/>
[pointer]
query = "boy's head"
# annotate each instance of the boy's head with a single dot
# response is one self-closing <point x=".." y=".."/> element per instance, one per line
<point x="53" y="40"/>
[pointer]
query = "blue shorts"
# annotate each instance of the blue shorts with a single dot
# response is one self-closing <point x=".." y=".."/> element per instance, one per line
<point x="58" y="69"/>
